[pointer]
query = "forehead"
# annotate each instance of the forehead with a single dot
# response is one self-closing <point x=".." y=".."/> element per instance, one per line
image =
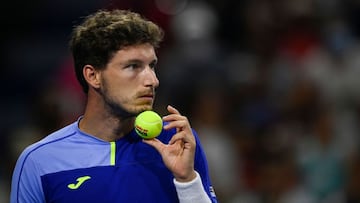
<point x="143" y="52"/>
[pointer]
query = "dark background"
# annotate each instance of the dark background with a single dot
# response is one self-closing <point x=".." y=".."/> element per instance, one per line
<point x="271" y="86"/>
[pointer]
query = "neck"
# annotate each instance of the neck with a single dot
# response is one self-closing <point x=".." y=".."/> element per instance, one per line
<point x="102" y="124"/>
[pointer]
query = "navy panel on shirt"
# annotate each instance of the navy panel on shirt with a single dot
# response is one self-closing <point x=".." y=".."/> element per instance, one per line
<point x="131" y="183"/>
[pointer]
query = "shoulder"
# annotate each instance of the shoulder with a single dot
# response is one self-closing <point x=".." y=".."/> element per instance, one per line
<point x="37" y="149"/>
<point x="54" y="137"/>
<point x="26" y="181"/>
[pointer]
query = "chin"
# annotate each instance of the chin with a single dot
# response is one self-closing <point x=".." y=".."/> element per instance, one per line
<point x="144" y="108"/>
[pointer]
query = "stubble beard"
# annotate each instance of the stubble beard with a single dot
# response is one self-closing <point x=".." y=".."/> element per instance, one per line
<point x="117" y="110"/>
<point x="113" y="107"/>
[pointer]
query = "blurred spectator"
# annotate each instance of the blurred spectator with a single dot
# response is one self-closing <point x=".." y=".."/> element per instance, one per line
<point x="209" y="115"/>
<point x="195" y="57"/>
<point x="261" y="78"/>
<point x="280" y="180"/>
<point x="322" y="162"/>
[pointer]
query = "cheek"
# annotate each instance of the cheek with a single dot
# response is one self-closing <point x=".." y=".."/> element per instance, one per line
<point x="123" y="91"/>
<point x="120" y="87"/>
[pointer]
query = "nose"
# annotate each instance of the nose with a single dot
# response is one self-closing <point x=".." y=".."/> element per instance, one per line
<point x="150" y="77"/>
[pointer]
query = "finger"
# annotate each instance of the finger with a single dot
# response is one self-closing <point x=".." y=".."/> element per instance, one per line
<point x="173" y="117"/>
<point x="176" y="124"/>
<point x="183" y="136"/>
<point x="172" y="109"/>
<point x="178" y="142"/>
<point x="157" y="144"/>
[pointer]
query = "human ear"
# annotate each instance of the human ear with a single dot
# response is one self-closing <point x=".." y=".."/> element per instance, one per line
<point x="91" y="76"/>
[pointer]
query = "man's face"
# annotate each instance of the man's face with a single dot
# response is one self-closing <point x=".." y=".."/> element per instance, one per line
<point x="128" y="82"/>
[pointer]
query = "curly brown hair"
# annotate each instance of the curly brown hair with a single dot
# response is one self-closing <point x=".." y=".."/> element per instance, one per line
<point x="103" y="33"/>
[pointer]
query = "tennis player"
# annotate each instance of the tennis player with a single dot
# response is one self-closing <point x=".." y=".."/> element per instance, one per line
<point x="100" y="158"/>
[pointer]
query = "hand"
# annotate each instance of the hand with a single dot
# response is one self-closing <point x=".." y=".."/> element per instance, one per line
<point x="179" y="154"/>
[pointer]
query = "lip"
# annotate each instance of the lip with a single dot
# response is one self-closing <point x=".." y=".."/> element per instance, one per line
<point x="147" y="96"/>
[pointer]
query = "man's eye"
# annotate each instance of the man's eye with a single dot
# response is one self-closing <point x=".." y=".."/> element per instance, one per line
<point x="133" y="66"/>
<point x="152" y="65"/>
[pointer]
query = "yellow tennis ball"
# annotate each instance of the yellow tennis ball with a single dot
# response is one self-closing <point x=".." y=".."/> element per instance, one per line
<point x="148" y="124"/>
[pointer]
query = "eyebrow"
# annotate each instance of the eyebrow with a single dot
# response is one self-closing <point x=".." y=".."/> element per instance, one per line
<point x="139" y="61"/>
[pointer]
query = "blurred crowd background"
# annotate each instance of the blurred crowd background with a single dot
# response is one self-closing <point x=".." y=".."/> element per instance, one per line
<point x="271" y="86"/>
